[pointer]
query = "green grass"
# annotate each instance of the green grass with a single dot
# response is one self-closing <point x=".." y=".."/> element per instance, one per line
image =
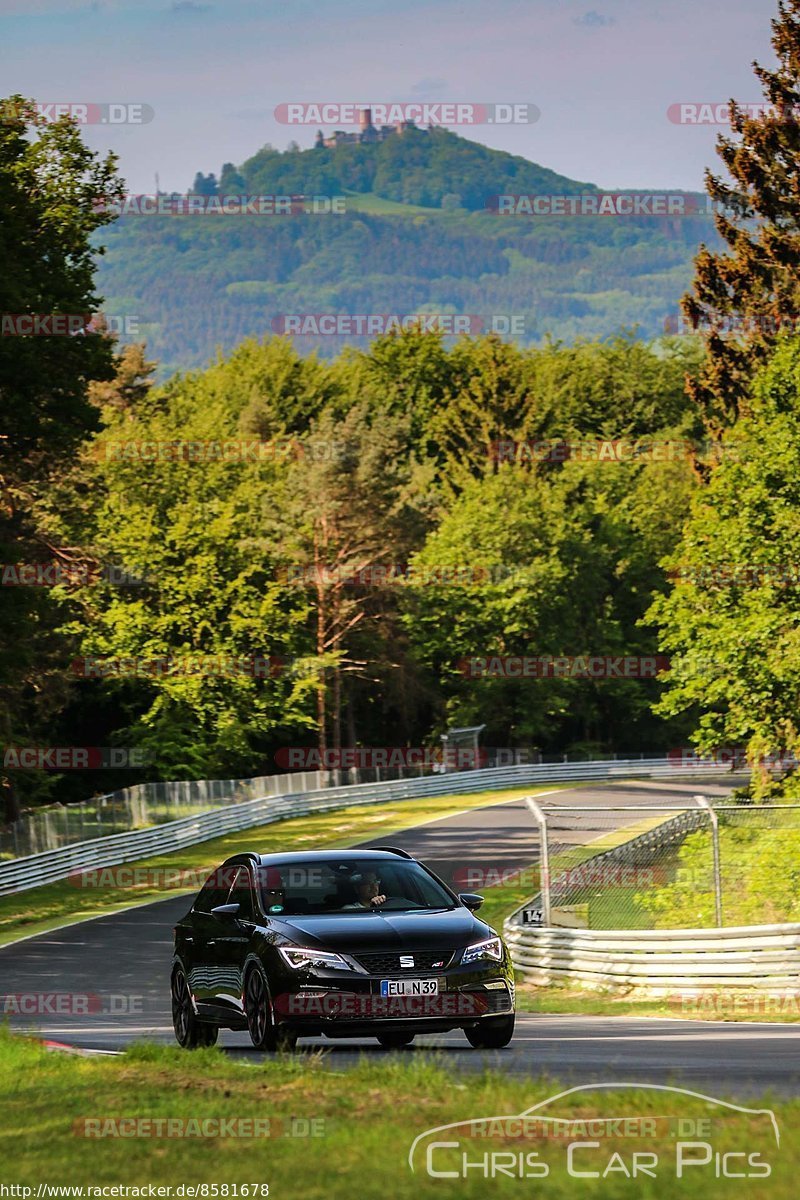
<point x="732" y="1004"/>
<point x="369" y="202"/>
<point x="760" y="881"/>
<point x="501" y="900"/>
<point x="364" y="1120"/>
<point x="43" y="908"/>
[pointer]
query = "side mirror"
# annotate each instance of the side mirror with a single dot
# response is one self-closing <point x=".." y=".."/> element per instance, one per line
<point x="470" y="900"/>
<point x="225" y="911"/>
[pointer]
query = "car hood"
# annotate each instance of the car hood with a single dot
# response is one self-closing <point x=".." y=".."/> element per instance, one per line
<point x="441" y="929"/>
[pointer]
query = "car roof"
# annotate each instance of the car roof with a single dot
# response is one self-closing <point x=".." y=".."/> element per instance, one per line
<point x="296" y="856"/>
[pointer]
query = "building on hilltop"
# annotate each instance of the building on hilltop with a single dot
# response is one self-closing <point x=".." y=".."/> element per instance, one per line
<point x="368" y="134"/>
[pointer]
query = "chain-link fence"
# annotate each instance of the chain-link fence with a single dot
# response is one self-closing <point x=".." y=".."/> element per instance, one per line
<point x="657" y="865"/>
<point x="139" y="806"/>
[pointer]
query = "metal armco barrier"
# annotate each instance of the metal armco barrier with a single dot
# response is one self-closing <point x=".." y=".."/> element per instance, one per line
<point x="661" y="961"/>
<point x="761" y="958"/>
<point x="22" y="873"/>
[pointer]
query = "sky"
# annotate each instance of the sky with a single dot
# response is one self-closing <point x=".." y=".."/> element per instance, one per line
<point x="602" y="73"/>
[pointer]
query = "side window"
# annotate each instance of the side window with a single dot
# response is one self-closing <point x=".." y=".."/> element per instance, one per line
<point x="242" y="894"/>
<point x="215" y="890"/>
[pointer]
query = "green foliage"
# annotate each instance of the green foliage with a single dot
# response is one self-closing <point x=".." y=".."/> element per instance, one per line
<point x="731" y="621"/>
<point x="746" y="293"/>
<point x="49" y="182"/>
<point x="382" y="458"/>
<point x="560" y="563"/>
<point x="760" y="878"/>
<point x="420" y="167"/>
<point x="196" y="532"/>
<point x="365" y="465"/>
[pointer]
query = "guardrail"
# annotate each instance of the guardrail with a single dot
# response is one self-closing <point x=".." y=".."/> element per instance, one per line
<point x="660" y="961"/>
<point x="53" y="826"/>
<point x="33" y="871"/>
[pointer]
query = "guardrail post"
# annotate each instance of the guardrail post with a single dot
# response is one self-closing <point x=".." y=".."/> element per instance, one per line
<point x="703" y="802"/>
<point x="544" y="857"/>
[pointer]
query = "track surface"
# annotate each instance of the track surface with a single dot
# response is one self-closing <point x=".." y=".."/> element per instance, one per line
<point x="121" y="964"/>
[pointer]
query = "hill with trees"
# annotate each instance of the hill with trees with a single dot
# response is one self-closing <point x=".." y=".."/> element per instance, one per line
<point x="418" y="235"/>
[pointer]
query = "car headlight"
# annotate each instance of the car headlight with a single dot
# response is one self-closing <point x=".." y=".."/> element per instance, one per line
<point x="301" y="956"/>
<point x="491" y="949"/>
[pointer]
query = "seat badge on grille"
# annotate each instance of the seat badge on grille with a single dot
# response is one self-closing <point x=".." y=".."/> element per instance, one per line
<point x="406" y="960"/>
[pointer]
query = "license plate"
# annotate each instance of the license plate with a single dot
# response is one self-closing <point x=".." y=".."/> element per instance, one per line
<point x="409" y="987"/>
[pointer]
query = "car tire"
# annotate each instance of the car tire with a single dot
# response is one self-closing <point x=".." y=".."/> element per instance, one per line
<point x="395" y="1041"/>
<point x="190" y="1033"/>
<point x="258" y="1010"/>
<point x="491" y="1034"/>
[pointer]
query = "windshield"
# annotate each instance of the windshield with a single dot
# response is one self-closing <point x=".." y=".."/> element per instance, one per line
<point x="349" y="885"/>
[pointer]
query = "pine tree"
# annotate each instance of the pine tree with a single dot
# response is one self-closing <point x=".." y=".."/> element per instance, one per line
<point x="744" y="295"/>
<point x="132" y="380"/>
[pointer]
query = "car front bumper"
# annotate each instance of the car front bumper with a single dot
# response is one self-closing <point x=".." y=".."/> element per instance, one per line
<point x="346" y="1006"/>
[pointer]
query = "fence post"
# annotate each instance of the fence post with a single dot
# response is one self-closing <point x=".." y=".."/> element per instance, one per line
<point x="703" y="802"/>
<point x="544" y="857"/>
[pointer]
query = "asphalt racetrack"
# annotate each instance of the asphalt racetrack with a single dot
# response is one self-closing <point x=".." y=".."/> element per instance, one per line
<point x="123" y="961"/>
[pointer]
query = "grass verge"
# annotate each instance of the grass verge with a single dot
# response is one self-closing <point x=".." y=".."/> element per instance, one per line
<point x="361" y="1123"/>
<point x="731" y="1004"/>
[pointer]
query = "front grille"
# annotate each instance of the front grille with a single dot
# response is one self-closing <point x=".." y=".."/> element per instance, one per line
<point x="389" y="964"/>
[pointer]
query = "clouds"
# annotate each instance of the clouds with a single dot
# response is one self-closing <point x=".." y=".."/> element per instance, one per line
<point x="189" y="7"/>
<point x="594" y="20"/>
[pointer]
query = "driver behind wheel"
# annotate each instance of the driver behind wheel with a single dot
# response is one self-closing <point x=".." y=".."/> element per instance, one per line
<point x="368" y="891"/>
